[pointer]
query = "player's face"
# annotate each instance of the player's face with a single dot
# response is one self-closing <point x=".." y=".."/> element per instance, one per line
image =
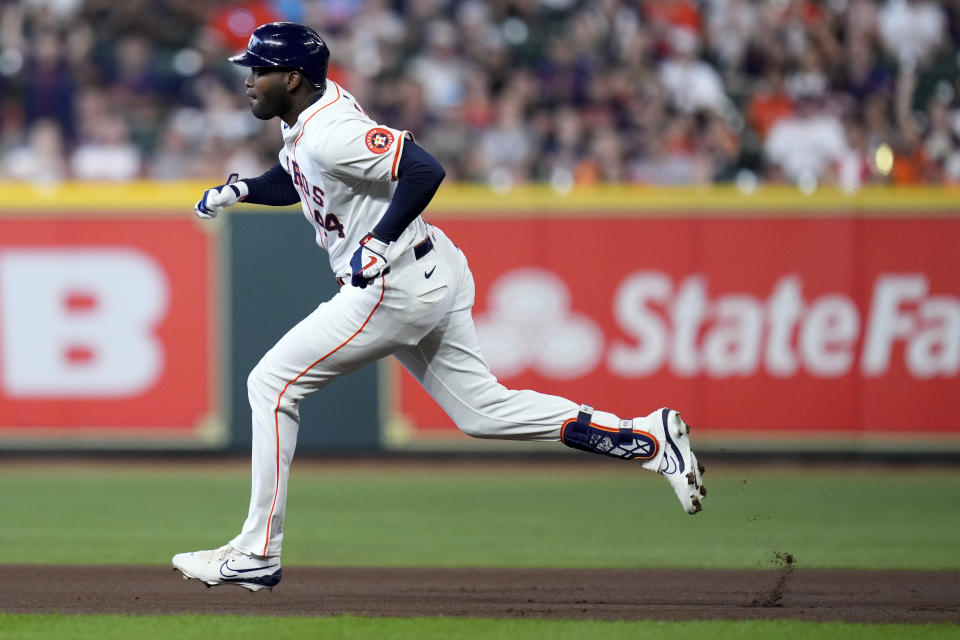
<point x="267" y="91"/>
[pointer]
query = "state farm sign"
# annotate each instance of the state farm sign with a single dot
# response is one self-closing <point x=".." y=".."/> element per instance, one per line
<point x="766" y="324"/>
<point x="681" y="328"/>
<point x="104" y="323"/>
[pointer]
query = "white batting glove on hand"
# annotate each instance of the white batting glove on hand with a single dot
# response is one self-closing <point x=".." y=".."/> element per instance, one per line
<point x="370" y="260"/>
<point x="219" y="198"/>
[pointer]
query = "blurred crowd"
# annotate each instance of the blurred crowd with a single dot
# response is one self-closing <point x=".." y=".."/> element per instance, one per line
<point x="564" y="92"/>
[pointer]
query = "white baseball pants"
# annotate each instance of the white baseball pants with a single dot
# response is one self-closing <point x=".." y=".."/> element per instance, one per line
<point x="419" y="312"/>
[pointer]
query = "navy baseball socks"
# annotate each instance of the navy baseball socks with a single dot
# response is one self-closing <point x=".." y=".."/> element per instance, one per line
<point x="660" y="442"/>
<point x="227" y="565"/>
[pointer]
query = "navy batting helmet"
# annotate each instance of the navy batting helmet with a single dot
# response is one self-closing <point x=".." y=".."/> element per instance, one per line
<point x="287" y="45"/>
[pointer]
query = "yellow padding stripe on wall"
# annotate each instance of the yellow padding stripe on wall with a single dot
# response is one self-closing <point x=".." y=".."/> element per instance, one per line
<point x="465" y="200"/>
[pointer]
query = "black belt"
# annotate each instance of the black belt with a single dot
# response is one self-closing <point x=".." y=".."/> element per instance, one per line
<point x="423" y="248"/>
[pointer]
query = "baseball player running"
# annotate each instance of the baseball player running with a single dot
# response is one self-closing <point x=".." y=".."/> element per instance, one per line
<point x="406" y="291"/>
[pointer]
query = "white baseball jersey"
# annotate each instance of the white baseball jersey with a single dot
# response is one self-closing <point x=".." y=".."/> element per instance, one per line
<point x="344" y="166"/>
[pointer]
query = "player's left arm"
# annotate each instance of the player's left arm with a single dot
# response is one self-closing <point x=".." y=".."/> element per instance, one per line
<point x="418" y="177"/>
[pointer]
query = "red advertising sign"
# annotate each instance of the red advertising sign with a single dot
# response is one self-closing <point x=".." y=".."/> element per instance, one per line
<point x="105" y="324"/>
<point x="797" y="324"/>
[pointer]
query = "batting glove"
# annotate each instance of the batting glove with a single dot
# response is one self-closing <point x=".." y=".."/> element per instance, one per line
<point x="219" y="198"/>
<point x="369" y="261"/>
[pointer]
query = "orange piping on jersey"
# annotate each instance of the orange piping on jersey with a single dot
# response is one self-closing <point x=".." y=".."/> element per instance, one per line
<point x="396" y="157"/>
<point x="614" y="430"/>
<point x="276" y="411"/>
<point x="306" y="196"/>
<point x="300" y="188"/>
<point x="313" y="114"/>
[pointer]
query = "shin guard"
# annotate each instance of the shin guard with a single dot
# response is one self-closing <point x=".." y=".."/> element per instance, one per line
<point x="626" y="442"/>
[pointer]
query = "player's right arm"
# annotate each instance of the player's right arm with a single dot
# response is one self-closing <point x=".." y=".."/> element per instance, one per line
<point x="273" y="188"/>
<point x="418" y="177"/>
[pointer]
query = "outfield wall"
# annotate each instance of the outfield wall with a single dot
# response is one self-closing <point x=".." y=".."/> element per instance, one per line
<point x="774" y="320"/>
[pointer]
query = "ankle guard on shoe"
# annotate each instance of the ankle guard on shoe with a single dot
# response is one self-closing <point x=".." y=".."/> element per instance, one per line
<point x="626" y="442"/>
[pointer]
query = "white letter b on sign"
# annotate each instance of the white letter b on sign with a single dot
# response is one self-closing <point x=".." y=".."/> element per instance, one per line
<point x="78" y="323"/>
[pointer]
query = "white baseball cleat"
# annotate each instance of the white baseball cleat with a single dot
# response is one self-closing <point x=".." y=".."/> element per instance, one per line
<point x="227" y="565"/>
<point x="679" y="464"/>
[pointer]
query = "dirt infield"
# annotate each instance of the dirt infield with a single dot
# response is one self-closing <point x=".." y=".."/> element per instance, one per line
<point x="622" y="594"/>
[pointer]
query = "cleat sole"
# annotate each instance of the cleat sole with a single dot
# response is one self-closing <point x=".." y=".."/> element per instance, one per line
<point x="695" y="501"/>
<point x="246" y="585"/>
<point x="687" y="485"/>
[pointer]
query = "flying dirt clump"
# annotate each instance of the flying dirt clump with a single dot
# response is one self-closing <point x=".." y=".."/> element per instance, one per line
<point x="786" y="562"/>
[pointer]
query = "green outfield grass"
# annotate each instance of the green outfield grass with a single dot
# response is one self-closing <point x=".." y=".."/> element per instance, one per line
<point x="188" y="627"/>
<point x="578" y="515"/>
<point x="496" y="516"/>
